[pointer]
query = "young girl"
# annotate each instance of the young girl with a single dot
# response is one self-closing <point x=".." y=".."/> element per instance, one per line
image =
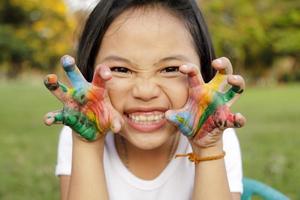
<point x="145" y="102"/>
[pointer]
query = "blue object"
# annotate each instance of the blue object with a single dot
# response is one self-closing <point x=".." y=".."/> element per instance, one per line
<point x="256" y="188"/>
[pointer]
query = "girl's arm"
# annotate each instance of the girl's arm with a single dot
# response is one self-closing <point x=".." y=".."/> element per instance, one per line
<point x="64" y="182"/>
<point x="87" y="178"/>
<point x="210" y="176"/>
<point x="88" y="112"/>
<point x="203" y="119"/>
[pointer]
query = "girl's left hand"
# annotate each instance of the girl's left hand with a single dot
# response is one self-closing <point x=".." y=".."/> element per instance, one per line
<point x="206" y="113"/>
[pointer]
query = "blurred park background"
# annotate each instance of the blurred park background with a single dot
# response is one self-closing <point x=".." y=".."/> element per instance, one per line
<point x="261" y="38"/>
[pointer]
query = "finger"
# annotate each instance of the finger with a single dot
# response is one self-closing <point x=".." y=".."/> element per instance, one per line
<point x="181" y="119"/>
<point x="58" y="89"/>
<point x="73" y="73"/>
<point x="102" y="74"/>
<point x="116" y="124"/>
<point x="83" y="126"/>
<point x="234" y="121"/>
<point x="208" y="139"/>
<point x="194" y="75"/>
<point x="238" y="86"/>
<point x="224" y="68"/>
<point x="55" y="117"/>
<point x="222" y="65"/>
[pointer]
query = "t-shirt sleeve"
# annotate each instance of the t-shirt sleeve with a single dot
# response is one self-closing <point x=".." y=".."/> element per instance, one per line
<point x="233" y="160"/>
<point x="64" y="155"/>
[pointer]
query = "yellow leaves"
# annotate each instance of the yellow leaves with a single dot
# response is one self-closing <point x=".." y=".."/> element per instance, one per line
<point x="46" y="31"/>
<point x="56" y="5"/>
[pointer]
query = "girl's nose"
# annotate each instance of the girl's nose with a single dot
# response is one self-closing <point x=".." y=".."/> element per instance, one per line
<point x="145" y="90"/>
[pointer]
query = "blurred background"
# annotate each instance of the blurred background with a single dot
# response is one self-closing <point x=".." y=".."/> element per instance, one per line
<point x="261" y="38"/>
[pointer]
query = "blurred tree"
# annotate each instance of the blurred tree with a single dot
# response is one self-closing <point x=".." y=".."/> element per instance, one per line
<point x="33" y="34"/>
<point x="254" y="33"/>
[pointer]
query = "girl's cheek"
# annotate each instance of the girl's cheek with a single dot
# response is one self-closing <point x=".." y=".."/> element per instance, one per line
<point x="177" y="93"/>
<point x="117" y="91"/>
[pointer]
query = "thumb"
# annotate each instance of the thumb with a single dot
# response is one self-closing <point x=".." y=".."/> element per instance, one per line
<point x="116" y="123"/>
<point x="182" y="119"/>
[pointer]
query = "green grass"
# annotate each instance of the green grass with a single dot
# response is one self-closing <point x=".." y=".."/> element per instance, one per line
<point x="271" y="138"/>
<point x="27" y="146"/>
<point x="270" y="141"/>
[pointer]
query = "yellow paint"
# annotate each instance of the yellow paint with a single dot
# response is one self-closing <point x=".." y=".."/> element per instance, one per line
<point x="217" y="81"/>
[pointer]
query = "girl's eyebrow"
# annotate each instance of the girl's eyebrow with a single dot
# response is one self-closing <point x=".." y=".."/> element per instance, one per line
<point x="175" y="57"/>
<point x="169" y="58"/>
<point x="116" y="58"/>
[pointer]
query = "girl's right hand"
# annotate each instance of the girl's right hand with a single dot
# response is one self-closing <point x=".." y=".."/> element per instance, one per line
<point x="207" y="112"/>
<point x="87" y="107"/>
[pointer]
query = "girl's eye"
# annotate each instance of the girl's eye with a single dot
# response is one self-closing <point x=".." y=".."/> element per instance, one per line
<point x="170" y="69"/>
<point x="120" y="70"/>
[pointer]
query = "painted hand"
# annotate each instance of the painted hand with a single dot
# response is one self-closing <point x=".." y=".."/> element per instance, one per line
<point x="87" y="108"/>
<point x="206" y="113"/>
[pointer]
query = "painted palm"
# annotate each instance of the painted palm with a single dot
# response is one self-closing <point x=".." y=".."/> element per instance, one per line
<point x="87" y="108"/>
<point x="207" y="108"/>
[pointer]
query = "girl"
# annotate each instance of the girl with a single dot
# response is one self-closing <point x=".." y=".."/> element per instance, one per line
<point x="141" y="58"/>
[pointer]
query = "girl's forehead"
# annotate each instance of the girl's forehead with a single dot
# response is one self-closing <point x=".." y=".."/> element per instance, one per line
<point x="147" y="36"/>
<point x="147" y="18"/>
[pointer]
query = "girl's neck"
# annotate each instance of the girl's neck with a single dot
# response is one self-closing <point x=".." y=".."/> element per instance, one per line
<point x="146" y="164"/>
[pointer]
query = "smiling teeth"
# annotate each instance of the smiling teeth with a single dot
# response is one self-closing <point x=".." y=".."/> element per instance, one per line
<point x="146" y="118"/>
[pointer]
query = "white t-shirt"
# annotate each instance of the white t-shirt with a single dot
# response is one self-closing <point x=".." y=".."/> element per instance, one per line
<point x="175" y="182"/>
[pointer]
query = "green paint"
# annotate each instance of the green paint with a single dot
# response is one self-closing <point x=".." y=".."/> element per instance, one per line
<point x="78" y="122"/>
<point x="63" y="87"/>
<point x="58" y="117"/>
<point x="79" y="95"/>
<point x="231" y="93"/>
<point x="218" y="99"/>
<point x="211" y="108"/>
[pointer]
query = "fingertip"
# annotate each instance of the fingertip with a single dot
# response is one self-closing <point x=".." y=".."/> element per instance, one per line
<point x="183" y="68"/>
<point x="51" y="82"/>
<point x="189" y="68"/>
<point x="223" y="65"/>
<point x="52" y="78"/>
<point x="116" y="126"/>
<point x="48" y="119"/>
<point x="217" y="62"/>
<point x="68" y="62"/>
<point x="105" y="73"/>
<point x="236" y="80"/>
<point x="240" y="120"/>
<point x="169" y="114"/>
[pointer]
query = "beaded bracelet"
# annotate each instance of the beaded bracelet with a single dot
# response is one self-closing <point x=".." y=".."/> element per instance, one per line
<point x="194" y="157"/>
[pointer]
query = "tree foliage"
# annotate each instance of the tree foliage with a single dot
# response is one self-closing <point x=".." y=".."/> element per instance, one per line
<point x="33" y="33"/>
<point x="254" y="33"/>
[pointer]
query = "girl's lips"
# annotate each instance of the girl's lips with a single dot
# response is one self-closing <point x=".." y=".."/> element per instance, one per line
<point x="146" y="127"/>
<point x="145" y="110"/>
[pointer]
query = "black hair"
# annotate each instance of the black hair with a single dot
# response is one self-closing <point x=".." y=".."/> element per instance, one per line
<point x="106" y="12"/>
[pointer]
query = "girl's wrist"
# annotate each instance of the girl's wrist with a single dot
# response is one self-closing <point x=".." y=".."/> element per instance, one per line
<point x="80" y="143"/>
<point x="214" y="150"/>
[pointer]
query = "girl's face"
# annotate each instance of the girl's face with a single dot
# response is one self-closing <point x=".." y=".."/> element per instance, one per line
<point x="144" y="48"/>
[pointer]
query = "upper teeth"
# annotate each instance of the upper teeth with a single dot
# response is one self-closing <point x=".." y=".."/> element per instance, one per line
<point x="146" y="118"/>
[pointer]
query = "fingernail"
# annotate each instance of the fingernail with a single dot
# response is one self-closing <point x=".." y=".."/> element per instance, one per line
<point x="235" y="77"/>
<point x="116" y="125"/>
<point x="218" y="61"/>
<point x="105" y="72"/>
<point x="184" y="66"/>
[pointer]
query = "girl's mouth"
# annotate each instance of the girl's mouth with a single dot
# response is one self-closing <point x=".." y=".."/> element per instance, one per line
<point x="146" y="121"/>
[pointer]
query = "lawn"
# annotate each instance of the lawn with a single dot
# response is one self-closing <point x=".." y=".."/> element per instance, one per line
<point x="270" y="141"/>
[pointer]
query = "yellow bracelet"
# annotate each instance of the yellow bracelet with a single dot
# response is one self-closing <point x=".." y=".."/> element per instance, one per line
<point x="194" y="157"/>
